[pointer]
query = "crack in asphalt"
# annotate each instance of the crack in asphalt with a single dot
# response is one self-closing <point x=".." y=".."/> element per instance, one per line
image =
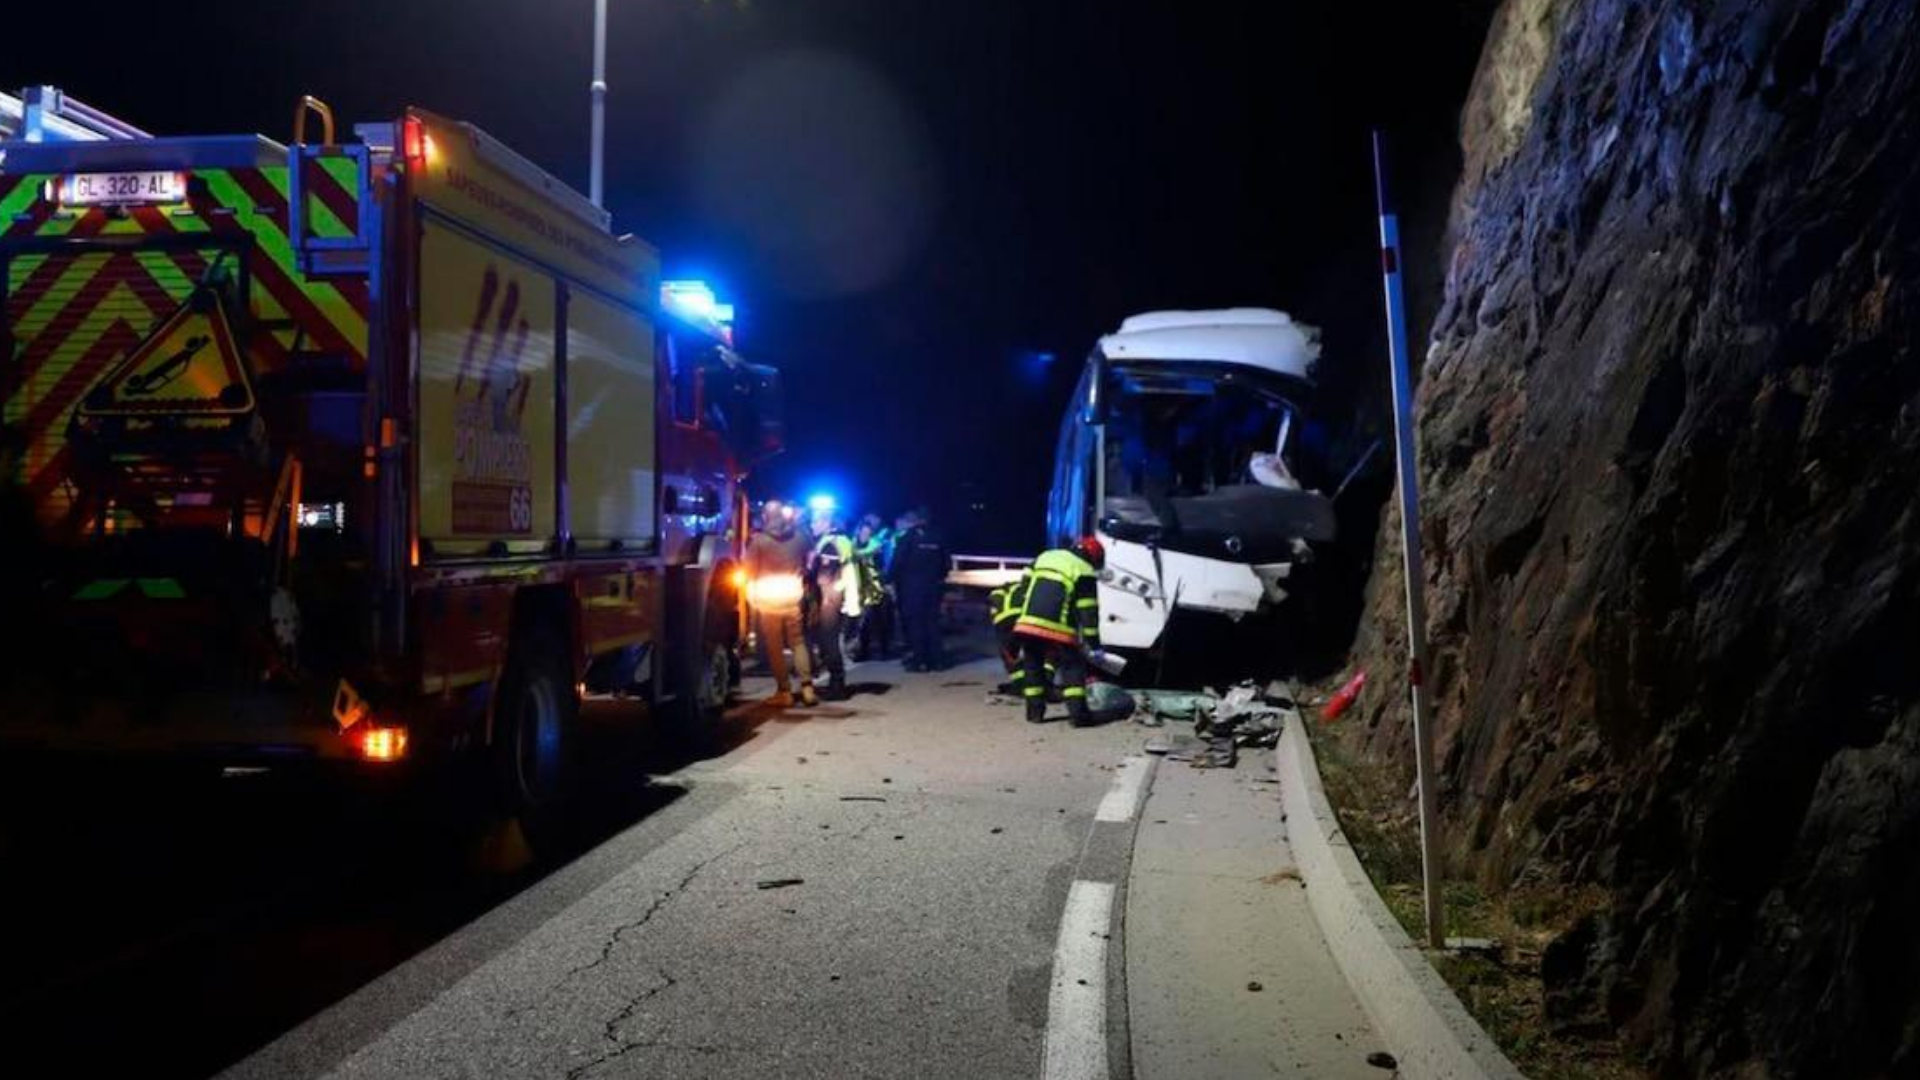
<point x="620" y="932"/>
<point x="610" y="1031"/>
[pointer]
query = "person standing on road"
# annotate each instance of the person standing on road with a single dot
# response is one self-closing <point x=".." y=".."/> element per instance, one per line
<point x="776" y="558"/>
<point x="920" y="579"/>
<point x="1060" y="623"/>
<point x="836" y="579"/>
<point x="872" y="546"/>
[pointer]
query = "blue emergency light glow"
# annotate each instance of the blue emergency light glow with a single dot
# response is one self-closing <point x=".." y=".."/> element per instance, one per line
<point x="822" y="503"/>
<point x="696" y="300"/>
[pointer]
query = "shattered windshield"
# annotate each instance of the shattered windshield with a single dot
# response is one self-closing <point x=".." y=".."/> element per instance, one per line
<point x="1177" y="433"/>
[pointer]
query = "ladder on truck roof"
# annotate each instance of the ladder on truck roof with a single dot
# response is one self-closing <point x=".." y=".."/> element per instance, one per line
<point x="46" y="114"/>
<point x="317" y="255"/>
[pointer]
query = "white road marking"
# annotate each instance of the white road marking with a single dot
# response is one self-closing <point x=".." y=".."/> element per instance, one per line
<point x="1123" y="798"/>
<point x="1076" y="1047"/>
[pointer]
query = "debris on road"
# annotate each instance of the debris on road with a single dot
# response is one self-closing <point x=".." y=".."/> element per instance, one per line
<point x="1170" y="741"/>
<point x="1380" y="1059"/>
<point x="1245" y="716"/>
<point x="1255" y="986"/>
<point x="780" y="883"/>
<point x="863" y="798"/>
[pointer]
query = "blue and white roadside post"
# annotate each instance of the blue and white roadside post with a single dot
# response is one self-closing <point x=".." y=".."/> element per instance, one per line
<point x="1409" y="491"/>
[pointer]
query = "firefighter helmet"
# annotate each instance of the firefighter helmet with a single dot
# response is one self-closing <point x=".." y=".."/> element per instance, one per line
<point x="1091" y="549"/>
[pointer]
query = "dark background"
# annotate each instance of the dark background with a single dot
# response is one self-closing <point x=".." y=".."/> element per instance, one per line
<point x="926" y="211"/>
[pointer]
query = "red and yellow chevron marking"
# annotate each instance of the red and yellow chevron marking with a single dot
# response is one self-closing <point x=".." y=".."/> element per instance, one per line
<point x="69" y="317"/>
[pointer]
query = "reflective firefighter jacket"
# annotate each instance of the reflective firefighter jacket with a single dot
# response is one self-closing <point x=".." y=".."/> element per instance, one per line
<point x="1006" y="602"/>
<point x="1062" y="602"/>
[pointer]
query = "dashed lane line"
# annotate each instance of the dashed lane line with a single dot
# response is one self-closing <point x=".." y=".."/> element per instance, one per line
<point x="1086" y="1007"/>
<point x="1122" y="800"/>
<point x="1076" y="1047"/>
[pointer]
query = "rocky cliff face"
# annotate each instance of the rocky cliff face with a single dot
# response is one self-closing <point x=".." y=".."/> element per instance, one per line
<point x="1670" y="444"/>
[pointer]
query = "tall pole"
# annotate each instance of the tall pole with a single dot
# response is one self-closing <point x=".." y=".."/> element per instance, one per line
<point x="599" y="91"/>
<point x="1409" y="491"/>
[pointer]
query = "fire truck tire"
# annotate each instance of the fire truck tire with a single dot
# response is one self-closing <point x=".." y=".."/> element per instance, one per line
<point x="533" y="729"/>
<point x="704" y="688"/>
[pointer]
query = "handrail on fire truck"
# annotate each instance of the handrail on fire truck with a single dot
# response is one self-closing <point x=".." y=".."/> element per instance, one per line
<point x="45" y="114"/>
<point x="317" y="255"/>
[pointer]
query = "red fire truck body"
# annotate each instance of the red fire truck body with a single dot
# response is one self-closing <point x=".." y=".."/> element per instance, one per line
<point x="355" y="451"/>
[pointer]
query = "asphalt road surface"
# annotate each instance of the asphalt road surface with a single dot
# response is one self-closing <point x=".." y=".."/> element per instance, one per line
<point x="871" y="888"/>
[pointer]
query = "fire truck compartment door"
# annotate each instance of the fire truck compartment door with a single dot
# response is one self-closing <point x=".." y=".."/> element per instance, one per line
<point x="486" y="371"/>
<point x="610" y="443"/>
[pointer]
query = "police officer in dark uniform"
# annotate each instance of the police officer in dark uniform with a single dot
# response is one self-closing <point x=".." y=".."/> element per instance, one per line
<point x="919" y="579"/>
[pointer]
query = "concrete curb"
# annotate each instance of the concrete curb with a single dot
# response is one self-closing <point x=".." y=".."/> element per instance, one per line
<point x="1411" y="1007"/>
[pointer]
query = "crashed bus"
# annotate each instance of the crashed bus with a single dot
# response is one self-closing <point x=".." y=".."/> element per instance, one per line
<point x="1182" y="449"/>
<point x="361" y="451"/>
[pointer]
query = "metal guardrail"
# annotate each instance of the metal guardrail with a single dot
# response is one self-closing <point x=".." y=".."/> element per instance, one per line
<point x="985" y="571"/>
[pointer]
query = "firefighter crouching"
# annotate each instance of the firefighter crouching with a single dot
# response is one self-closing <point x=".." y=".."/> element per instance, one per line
<point x="1003" y="605"/>
<point x="1058" y="625"/>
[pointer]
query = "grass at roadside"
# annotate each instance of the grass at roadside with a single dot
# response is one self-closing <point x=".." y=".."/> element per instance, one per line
<point x="1502" y="990"/>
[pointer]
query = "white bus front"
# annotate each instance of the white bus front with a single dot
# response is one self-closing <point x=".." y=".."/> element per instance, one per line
<point x="1181" y="451"/>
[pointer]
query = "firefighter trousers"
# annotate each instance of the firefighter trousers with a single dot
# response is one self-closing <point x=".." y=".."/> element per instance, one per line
<point x="1040" y="658"/>
<point x="780" y="631"/>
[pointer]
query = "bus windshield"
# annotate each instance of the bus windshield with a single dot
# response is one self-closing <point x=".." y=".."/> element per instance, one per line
<point x="1172" y="433"/>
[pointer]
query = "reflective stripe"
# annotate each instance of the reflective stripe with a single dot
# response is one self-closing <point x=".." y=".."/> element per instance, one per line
<point x="1073" y="691"/>
<point x="1063" y="637"/>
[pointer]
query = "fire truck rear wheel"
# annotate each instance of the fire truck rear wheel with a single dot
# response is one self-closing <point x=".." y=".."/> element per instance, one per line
<point x="533" y="728"/>
<point x="716" y="681"/>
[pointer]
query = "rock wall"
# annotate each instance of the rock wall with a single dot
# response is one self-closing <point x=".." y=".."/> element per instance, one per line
<point x="1670" y="446"/>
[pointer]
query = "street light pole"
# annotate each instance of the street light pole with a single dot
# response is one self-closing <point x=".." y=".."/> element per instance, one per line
<point x="599" y="91"/>
<point x="1409" y="490"/>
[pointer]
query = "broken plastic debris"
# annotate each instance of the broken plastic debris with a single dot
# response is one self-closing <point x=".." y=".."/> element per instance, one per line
<point x="780" y="883"/>
<point x="1380" y="1059"/>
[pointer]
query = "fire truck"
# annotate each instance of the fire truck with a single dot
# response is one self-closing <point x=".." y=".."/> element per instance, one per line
<point x="377" y="449"/>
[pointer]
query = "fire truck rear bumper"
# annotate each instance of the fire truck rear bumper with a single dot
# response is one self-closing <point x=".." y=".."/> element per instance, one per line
<point x="223" y="728"/>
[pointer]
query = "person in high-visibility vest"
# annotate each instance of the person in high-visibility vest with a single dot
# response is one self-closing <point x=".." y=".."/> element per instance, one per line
<point x="1059" y="623"/>
<point x="836" y="578"/>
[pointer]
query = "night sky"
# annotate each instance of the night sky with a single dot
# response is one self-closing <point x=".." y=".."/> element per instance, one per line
<point x="914" y="203"/>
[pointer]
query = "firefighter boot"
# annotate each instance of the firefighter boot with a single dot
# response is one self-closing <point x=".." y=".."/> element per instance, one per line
<point x="1077" y="712"/>
<point x="1036" y="709"/>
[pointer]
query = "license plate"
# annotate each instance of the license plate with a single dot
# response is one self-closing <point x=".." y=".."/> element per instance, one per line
<point x="122" y="188"/>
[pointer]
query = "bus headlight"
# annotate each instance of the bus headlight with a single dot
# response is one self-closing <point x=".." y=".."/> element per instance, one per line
<point x="1128" y="582"/>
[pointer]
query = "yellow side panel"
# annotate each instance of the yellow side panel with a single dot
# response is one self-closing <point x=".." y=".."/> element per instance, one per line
<point x="486" y="397"/>
<point x="610" y="449"/>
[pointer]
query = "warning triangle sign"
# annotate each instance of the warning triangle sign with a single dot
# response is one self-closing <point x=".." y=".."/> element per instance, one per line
<point x="191" y="364"/>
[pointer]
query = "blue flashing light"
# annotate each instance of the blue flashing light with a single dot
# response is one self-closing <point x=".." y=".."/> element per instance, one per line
<point x="822" y="503"/>
<point x="694" y="299"/>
